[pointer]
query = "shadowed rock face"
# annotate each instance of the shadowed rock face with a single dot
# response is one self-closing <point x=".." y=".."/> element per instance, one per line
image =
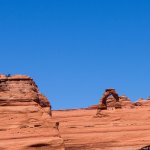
<point x="43" y="102"/>
<point x="103" y="100"/>
<point x="25" y="121"/>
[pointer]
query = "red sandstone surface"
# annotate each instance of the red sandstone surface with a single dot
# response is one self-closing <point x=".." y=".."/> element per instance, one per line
<point x="25" y="117"/>
<point x="117" y="129"/>
<point x="26" y="122"/>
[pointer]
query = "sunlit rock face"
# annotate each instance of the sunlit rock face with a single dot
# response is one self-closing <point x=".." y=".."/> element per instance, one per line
<point x="124" y="101"/>
<point x="142" y="102"/>
<point x="116" y="129"/>
<point x="21" y="90"/>
<point x="25" y="116"/>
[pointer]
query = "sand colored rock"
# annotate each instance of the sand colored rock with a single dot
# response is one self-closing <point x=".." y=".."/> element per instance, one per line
<point x="117" y="129"/>
<point x="21" y="90"/>
<point x="142" y="102"/>
<point x="24" y="122"/>
<point x="124" y="101"/>
<point x="45" y="104"/>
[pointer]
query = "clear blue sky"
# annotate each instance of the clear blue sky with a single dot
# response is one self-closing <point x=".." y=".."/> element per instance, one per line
<point x="74" y="49"/>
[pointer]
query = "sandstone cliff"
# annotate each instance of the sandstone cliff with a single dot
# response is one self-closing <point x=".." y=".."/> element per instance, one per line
<point x="25" y="121"/>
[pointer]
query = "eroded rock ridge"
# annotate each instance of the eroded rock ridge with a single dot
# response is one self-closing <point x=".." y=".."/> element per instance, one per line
<point x="25" y="116"/>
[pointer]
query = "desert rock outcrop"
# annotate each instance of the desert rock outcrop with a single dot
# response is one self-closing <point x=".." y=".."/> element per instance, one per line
<point x="25" y="123"/>
<point x="142" y="102"/>
<point x="103" y="100"/>
<point x="124" y="101"/>
<point x="118" y="129"/>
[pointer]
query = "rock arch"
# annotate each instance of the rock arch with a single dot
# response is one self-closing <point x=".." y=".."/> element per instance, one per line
<point x="103" y="100"/>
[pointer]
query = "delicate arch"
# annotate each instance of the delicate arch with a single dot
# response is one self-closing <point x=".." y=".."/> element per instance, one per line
<point x="107" y="93"/>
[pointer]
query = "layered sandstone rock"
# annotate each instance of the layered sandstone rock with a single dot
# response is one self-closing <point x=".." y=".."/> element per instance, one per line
<point x="117" y="129"/>
<point x="142" y="102"/>
<point x="124" y="101"/>
<point x="25" y="121"/>
<point x="45" y="104"/>
<point x="19" y="90"/>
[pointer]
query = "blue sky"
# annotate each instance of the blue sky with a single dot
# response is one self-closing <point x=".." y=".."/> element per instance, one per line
<point x="74" y="49"/>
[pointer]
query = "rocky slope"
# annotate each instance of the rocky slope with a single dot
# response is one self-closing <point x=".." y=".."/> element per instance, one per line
<point x="117" y="129"/>
<point x="25" y="121"/>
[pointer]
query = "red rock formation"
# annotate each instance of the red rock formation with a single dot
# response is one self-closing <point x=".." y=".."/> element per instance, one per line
<point x="26" y="125"/>
<point x="124" y="101"/>
<point x="20" y="90"/>
<point x="142" y="102"/>
<point x="148" y="98"/>
<point x="118" y="129"/>
<point x="24" y="122"/>
<point x="43" y="101"/>
<point x="103" y="101"/>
